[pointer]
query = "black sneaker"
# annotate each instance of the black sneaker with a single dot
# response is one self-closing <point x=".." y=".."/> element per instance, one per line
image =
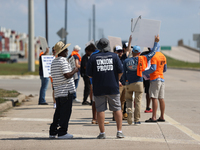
<point x="85" y="103"/>
<point x="43" y="104"/>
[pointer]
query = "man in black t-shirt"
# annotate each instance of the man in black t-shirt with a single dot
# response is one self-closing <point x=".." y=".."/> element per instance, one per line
<point x="105" y="68"/>
<point x="88" y="50"/>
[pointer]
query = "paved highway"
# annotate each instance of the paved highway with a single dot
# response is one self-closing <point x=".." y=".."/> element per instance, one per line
<point x="26" y="127"/>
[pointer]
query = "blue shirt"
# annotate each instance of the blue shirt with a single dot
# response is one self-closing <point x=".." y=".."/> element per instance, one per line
<point x="130" y="67"/>
<point x="104" y="68"/>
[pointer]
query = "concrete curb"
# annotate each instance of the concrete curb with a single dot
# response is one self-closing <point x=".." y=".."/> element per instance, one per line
<point x="11" y="102"/>
<point x="6" y="105"/>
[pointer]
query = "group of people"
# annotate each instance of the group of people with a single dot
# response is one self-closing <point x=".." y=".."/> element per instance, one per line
<point x="45" y="80"/>
<point x="109" y="78"/>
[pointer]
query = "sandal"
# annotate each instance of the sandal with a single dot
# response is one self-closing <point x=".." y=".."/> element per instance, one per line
<point x="106" y="122"/>
<point x="94" y="122"/>
<point x="161" y="120"/>
<point x="151" y="120"/>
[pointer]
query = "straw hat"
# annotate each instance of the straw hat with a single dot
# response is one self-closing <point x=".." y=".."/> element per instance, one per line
<point x="60" y="46"/>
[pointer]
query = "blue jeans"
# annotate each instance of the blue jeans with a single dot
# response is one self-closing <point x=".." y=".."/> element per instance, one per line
<point x="43" y="88"/>
<point x="76" y="85"/>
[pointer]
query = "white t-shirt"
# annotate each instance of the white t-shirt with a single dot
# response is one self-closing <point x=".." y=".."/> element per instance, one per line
<point x="61" y="85"/>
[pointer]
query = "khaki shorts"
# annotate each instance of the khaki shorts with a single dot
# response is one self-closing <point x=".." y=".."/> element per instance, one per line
<point x="157" y="89"/>
<point x="113" y="101"/>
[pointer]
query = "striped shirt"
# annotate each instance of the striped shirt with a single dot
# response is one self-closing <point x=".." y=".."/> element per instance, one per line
<point x="61" y="85"/>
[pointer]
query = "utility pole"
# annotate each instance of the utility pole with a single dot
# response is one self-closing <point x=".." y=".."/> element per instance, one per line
<point x="31" y="54"/>
<point x="66" y="20"/>
<point x="94" y="22"/>
<point x="89" y="36"/>
<point x="46" y="14"/>
<point x="101" y="35"/>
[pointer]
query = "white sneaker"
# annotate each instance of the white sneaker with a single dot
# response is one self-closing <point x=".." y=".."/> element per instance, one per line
<point x="54" y="105"/>
<point x="101" y="136"/>
<point x="66" y="136"/>
<point x="76" y="101"/>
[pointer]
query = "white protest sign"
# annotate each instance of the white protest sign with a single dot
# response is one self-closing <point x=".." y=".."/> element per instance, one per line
<point x="43" y="43"/>
<point x="46" y="65"/>
<point x="114" y="41"/>
<point x="71" y="61"/>
<point x="144" y="31"/>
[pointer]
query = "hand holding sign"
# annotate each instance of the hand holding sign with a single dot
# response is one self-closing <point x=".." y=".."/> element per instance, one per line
<point x="157" y="38"/>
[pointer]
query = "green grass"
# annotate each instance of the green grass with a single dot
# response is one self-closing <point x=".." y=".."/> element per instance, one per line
<point x="7" y="93"/>
<point x="181" y="64"/>
<point x="17" y="69"/>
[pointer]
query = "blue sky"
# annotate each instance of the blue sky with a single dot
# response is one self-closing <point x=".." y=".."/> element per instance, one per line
<point x="180" y="19"/>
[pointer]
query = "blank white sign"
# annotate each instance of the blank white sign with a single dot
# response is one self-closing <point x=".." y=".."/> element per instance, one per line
<point x="144" y="32"/>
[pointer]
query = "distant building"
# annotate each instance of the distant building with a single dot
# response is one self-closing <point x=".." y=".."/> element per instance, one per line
<point x="16" y="43"/>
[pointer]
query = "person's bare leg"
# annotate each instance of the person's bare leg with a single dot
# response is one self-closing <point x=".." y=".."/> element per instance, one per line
<point x="118" y="119"/>
<point x="94" y="111"/>
<point x="148" y="100"/>
<point x="154" y="107"/>
<point x="162" y="108"/>
<point x="91" y="92"/>
<point x="101" y="118"/>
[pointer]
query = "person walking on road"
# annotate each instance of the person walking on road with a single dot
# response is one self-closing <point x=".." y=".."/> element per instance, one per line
<point x="157" y="85"/>
<point x="64" y="88"/>
<point x="44" y="80"/>
<point x="105" y="69"/>
<point x="133" y="68"/>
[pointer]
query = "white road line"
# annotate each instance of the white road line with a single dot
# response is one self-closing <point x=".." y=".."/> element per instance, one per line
<point x="179" y="126"/>
<point x="171" y="121"/>
<point x="183" y="128"/>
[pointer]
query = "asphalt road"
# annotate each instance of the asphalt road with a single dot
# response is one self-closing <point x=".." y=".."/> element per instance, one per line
<point x="26" y="127"/>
